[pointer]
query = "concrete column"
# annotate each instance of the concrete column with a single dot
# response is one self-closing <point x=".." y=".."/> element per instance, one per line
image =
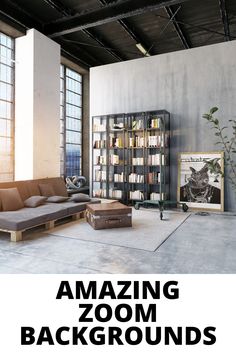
<point x="37" y="107"/>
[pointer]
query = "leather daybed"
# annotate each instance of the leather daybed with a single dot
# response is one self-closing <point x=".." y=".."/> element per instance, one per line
<point x="17" y="221"/>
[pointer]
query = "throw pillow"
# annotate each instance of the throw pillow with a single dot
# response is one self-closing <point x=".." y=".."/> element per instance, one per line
<point x="34" y="201"/>
<point x="80" y="197"/>
<point x="57" y="199"/>
<point x="46" y="190"/>
<point x="11" y="199"/>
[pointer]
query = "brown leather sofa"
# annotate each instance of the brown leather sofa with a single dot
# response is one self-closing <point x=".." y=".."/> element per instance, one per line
<point x="17" y="221"/>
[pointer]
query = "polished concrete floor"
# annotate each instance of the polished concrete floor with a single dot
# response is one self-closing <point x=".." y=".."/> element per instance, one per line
<point x="202" y="244"/>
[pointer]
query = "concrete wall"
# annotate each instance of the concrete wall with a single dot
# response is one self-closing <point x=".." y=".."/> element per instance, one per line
<point x="186" y="83"/>
<point x="37" y="107"/>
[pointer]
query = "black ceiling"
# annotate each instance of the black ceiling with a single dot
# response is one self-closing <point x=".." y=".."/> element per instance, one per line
<point x="97" y="32"/>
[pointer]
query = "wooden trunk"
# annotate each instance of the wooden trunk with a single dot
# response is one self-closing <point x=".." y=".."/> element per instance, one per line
<point x="109" y="215"/>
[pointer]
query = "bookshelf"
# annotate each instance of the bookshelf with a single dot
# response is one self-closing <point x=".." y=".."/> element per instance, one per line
<point x="130" y="156"/>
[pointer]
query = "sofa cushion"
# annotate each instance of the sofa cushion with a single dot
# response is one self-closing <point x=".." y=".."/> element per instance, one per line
<point x="11" y="199"/>
<point x="57" y="199"/>
<point x="46" y="189"/>
<point x="59" y="186"/>
<point x="30" y="217"/>
<point x="80" y="197"/>
<point x="34" y="201"/>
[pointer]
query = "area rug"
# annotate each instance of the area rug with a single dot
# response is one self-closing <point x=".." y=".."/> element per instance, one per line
<point x="147" y="233"/>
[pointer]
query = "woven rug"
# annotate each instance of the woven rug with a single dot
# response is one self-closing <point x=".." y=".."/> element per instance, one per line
<point x="147" y="233"/>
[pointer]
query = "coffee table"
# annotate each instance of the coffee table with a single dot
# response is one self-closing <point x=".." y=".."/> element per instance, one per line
<point x="108" y="215"/>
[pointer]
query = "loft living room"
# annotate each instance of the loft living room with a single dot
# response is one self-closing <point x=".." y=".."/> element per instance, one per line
<point x="133" y="98"/>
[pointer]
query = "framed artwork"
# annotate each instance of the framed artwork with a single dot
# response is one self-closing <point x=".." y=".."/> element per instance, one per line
<point x="198" y="187"/>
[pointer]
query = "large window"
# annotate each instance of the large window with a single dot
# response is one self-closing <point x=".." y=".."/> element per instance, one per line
<point x="6" y="108"/>
<point x="71" y="122"/>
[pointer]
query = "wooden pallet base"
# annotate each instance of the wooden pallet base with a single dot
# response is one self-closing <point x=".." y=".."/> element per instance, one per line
<point x="16" y="236"/>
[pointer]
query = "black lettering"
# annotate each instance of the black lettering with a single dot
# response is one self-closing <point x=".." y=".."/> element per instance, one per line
<point x="169" y="292"/>
<point x="157" y="339"/>
<point x="95" y="337"/>
<point x="87" y="308"/>
<point x="169" y="333"/>
<point x="190" y="331"/>
<point x="98" y="310"/>
<point x="140" y="314"/>
<point x="114" y="335"/>
<point x="128" y="335"/>
<point x="59" y="335"/>
<point x="27" y="335"/>
<point x="45" y="336"/>
<point x="107" y="290"/>
<point x="64" y="290"/>
<point x="207" y="332"/>
<point x="79" y="335"/>
<point x="91" y="290"/>
<point x="122" y="294"/>
<point x="147" y="287"/>
<point x="118" y="310"/>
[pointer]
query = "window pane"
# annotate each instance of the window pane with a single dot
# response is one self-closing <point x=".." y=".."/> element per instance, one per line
<point x="71" y="89"/>
<point x="6" y="107"/>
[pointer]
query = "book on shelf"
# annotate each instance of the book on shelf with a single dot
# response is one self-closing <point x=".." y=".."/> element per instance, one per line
<point x="153" y="177"/>
<point x="99" y="144"/>
<point x="115" y="193"/>
<point x="155" y="141"/>
<point x="100" y="193"/>
<point x="156" y="196"/>
<point x="137" y="141"/>
<point x="154" y="159"/>
<point x="115" y="142"/>
<point x="154" y="123"/>
<point x="137" y="124"/>
<point x="136" y="178"/>
<point x="137" y="161"/>
<point x="100" y="176"/>
<point x="100" y="160"/>
<point x="99" y="127"/>
<point x="136" y="195"/>
<point x="119" y="177"/>
<point x="114" y="159"/>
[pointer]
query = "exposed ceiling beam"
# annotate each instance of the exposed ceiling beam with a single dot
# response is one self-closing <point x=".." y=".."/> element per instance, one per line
<point x="92" y="34"/>
<point x="82" y="55"/>
<point x="132" y="32"/>
<point x="65" y="11"/>
<point x="112" y="12"/>
<point x="178" y="28"/>
<point x="60" y="7"/>
<point x="225" y="19"/>
<point x="15" y="13"/>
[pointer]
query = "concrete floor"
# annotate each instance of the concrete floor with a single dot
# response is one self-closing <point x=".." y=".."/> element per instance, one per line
<point x="202" y="244"/>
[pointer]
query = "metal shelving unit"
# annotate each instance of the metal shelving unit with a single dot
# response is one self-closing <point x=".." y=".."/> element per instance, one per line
<point x="136" y="154"/>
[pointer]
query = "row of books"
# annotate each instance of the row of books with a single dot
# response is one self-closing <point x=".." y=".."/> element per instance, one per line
<point x="100" y="160"/>
<point x="100" y="193"/>
<point x="100" y="176"/>
<point x="154" y="123"/>
<point x="119" y="177"/>
<point x="155" y="141"/>
<point x="137" y="124"/>
<point x="115" y="142"/>
<point x="99" y="144"/>
<point x="137" y="141"/>
<point x="156" y="196"/>
<point x="136" y="195"/>
<point x="154" y="160"/>
<point x="136" y="178"/>
<point x="115" y="193"/>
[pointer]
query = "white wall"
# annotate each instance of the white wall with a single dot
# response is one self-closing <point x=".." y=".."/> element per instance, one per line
<point x="186" y="83"/>
<point x="37" y="107"/>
